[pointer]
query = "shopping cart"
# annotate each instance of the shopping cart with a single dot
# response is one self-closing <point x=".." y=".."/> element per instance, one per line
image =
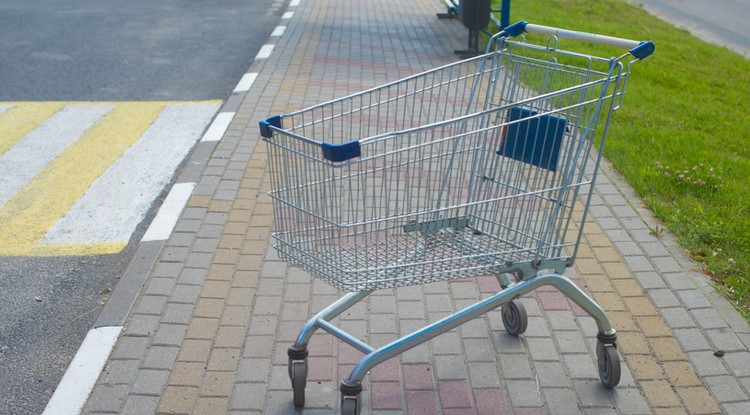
<point x="471" y="169"/>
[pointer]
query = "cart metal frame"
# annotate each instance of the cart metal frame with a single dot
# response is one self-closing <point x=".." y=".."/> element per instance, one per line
<point x="473" y="168"/>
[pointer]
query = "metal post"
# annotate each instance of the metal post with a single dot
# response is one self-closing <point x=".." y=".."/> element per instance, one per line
<point x="504" y="11"/>
<point x="505" y="14"/>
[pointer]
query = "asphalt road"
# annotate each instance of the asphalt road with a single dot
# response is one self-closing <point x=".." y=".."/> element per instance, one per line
<point x="103" y="50"/>
<point x="722" y="22"/>
<point x="47" y="307"/>
<point x="128" y="50"/>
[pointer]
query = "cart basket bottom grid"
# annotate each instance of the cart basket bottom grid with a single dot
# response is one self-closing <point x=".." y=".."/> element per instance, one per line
<point x="380" y="260"/>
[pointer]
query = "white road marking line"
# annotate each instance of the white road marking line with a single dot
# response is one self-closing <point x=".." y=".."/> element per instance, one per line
<point x="33" y="152"/>
<point x="218" y="127"/>
<point x="278" y="31"/>
<point x="119" y="199"/>
<point x="4" y="108"/>
<point x="287" y="15"/>
<point x="79" y="380"/>
<point x="264" y="52"/>
<point x="294" y="3"/>
<point x="246" y="82"/>
<point x="169" y="213"/>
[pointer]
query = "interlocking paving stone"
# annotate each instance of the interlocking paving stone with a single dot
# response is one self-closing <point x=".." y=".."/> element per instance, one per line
<point x="229" y="307"/>
<point x="137" y="405"/>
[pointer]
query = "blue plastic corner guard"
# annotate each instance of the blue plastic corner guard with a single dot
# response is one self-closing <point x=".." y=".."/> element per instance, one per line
<point x="644" y="50"/>
<point x="516" y="29"/>
<point x="341" y="152"/>
<point x="265" y="130"/>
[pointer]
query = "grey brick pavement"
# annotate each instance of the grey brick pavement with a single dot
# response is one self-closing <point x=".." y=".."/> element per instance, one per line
<point x="210" y="329"/>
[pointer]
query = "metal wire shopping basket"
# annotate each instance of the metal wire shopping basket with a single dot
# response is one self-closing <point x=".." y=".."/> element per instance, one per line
<point x="470" y="169"/>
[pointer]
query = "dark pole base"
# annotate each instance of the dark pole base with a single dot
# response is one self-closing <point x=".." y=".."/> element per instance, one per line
<point x="473" y="49"/>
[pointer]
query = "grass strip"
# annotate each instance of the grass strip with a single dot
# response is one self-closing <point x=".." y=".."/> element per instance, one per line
<point x="681" y="138"/>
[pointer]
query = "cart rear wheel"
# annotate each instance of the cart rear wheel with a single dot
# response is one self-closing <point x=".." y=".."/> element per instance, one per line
<point x="515" y="319"/>
<point x="350" y="405"/>
<point x="609" y="364"/>
<point x="298" y="374"/>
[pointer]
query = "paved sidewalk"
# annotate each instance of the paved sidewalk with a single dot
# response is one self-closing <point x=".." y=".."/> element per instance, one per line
<point x="210" y="328"/>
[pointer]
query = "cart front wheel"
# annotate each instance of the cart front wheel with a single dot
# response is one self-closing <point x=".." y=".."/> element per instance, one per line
<point x="609" y="364"/>
<point x="349" y="405"/>
<point x="515" y="319"/>
<point x="298" y="374"/>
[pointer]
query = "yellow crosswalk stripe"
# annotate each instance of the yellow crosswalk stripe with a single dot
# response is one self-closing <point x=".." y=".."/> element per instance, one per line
<point x="22" y="118"/>
<point x="25" y="219"/>
<point x="42" y="250"/>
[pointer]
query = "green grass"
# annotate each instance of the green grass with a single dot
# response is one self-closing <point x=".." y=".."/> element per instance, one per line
<point x="687" y="108"/>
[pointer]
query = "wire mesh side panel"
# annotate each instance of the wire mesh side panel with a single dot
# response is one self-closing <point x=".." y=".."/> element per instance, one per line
<point x="552" y="108"/>
<point x="438" y="194"/>
<point x="433" y="96"/>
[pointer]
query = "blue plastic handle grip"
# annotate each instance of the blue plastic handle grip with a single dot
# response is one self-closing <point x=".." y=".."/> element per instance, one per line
<point x="341" y="152"/>
<point x="644" y="50"/>
<point x="516" y="29"/>
<point x="265" y="125"/>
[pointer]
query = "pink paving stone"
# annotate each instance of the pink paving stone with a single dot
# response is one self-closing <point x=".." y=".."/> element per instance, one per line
<point x="454" y="394"/>
<point x="546" y="289"/>
<point x="488" y="284"/>
<point x="418" y="377"/>
<point x="343" y="372"/>
<point x="349" y="355"/>
<point x="386" y="372"/>
<point x="553" y="301"/>
<point x="320" y="368"/>
<point x="386" y="395"/>
<point x="490" y="401"/>
<point x="421" y="403"/>
<point x="577" y="310"/>
<point x="529" y="295"/>
<point x="321" y="345"/>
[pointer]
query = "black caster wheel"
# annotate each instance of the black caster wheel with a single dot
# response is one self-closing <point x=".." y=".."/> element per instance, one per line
<point x="609" y="364"/>
<point x="298" y="375"/>
<point x="350" y="405"/>
<point x="515" y="319"/>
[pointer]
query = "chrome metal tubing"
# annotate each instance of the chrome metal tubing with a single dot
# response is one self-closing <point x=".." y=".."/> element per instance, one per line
<point x="345" y="337"/>
<point x="328" y="314"/>
<point x="433" y="330"/>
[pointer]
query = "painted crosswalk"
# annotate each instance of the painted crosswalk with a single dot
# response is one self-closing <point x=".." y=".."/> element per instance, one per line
<point x="77" y="178"/>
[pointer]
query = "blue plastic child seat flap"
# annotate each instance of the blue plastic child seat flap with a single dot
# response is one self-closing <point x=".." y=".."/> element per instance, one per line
<point x="535" y="141"/>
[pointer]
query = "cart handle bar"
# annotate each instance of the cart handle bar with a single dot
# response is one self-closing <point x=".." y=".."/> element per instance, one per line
<point x="640" y="50"/>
